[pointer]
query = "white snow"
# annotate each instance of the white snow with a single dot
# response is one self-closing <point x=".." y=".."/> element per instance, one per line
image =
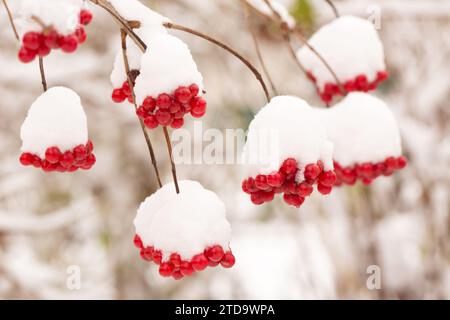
<point x="363" y="129"/>
<point x="350" y="45"/>
<point x="134" y="10"/>
<point x="166" y="65"/>
<point x="56" y="118"/>
<point x="285" y="128"/>
<point x="184" y="223"/>
<point x="262" y="6"/>
<point x="62" y="15"/>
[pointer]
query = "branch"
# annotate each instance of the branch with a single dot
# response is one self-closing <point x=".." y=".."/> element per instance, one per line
<point x="131" y="84"/>
<point x="42" y="72"/>
<point x="257" y="47"/>
<point x="333" y="7"/>
<point x="172" y="163"/>
<point x="11" y="20"/>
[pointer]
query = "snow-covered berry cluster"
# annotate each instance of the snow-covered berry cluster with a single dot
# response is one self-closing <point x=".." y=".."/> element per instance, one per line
<point x="287" y="155"/>
<point x="174" y="266"/>
<point x="40" y="43"/>
<point x="170" y="109"/>
<point x="263" y="188"/>
<point x="183" y="233"/>
<point x="54" y="133"/>
<point x="353" y="50"/>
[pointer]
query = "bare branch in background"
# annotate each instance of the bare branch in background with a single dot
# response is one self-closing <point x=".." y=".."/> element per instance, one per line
<point x="11" y="20"/>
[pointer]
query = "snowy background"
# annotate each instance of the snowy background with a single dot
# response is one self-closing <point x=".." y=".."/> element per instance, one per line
<point x="51" y="222"/>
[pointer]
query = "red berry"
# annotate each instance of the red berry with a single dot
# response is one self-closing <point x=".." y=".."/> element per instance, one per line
<point x="163" y="117"/>
<point x="323" y="189"/>
<point x="261" y="182"/>
<point x="194" y="89"/>
<point x="81" y="35"/>
<point x="391" y="163"/>
<point x="85" y="17"/>
<point x="290" y="187"/>
<point x="175" y="259"/>
<point x="164" y="101"/>
<point x="53" y="155"/>
<point x="228" y="260"/>
<point x="151" y="122"/>
<point x="166" y="269"/>
<point x="289" y="166"/>
<point x="177" y="275"/>
<point x="118" y="96"/>
<point x="67" y="159"/>
<point x="89" y="146"/>
<point x="51" y="39"/>
<point x="275" y="179"/>
<point x="251" y="185"/>
<point x="213" y="263"/>
<point x="32" y="40"/>
<point x="175" y="107"/>
<point x="177" y="123"/>
<point x="43" y="51"/>
<point x="186" y="268"/>
<point x="69" y="43"/>
<point x="37" y="162"/>
<point x="126" y="89"/>
<point x="312" y="171"/>
<point x="366" y="170"/>
<point x="267" y="196"/>
<point x="183" y="95"/>
<point x="349" y="176"/>
<point x="327" y="178"/>
<point x="26" y="159"/>
<point x="293" y="199"/>
<point x="257" y="198"/>
<point x="198" y="108"/>
<point x="147" y="253"/>
<point x="149" y="104"/>
<point x="349" y="86"/>
<point x="304" y="189"/>
<point x="361" y="83"/>
<point x="214" y="253"/>
<point x="80" y="152"/>
<point x="382" y="75"/>
<point x="401" y="162"/>
<point x="137" y="241"/>
<point x="199" y="262"/>
<point x="47" y="166"/>
<point x="26" y="55"/>
<point x="157" y="256"/>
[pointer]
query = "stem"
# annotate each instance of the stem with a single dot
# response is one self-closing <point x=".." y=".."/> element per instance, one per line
<point x="41" y="70"/>
<point x="172" y="163"/>
<point x="257" y="47"/>
<point x="130" y="83"/>
<point x="333" y="7"/>
<point x="11" y="20"/>
<point x="258" y="76"/>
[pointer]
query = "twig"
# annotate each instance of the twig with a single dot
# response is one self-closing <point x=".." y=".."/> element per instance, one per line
<point x="42" y="72"/>
<point x="130" y="83"/>
<point x="11" y="20"/>
<point x="172" y="163"/>
<point x="255" y="71"/>
<point x="257" y="47"/>
<point x="333" y="7"/>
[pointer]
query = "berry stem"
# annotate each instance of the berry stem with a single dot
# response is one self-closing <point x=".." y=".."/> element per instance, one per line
<point x="172" y="163"/>
<point x="11" y="20"/>
<point x="257" y="46"/>
<point x="130" y="82"/>
<point x="333" y="7"/>
<point x="222" y="45"/>
<point x="42" y="72"/>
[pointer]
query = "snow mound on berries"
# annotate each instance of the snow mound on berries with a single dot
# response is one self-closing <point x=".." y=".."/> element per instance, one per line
<point x="134" y="54"/>
<point x="363" y="129"/>
<point x="134" y="10"/>
<point x="262" y="6"/>
<point x="55" y="119"/>
<point x="350" y="45"/>
<point x="184" y="223"/>
<point x="62" y="15"/>
<point x="166" y="65"/>
<point x="285" y="128"/>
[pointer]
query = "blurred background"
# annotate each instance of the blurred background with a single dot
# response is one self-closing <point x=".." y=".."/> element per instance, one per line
<point x="401" y="225"/>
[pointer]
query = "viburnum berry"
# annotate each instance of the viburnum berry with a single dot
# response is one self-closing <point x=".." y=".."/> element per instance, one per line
<point x="157" y="256"/>
<point x="199" y="262"/>
<point x="304" y="189"/>
<point x="166" y="269"/>
<point x="327" y="178"/>
<point x="32" y="40"/>
<point x="81" y="35"/>
<point x="175" y="259"/>
<point x="69" y="43"/>
<point x="80" y="152"/>
<point x="275" y="179"/>
<point x="312" y="171"/>
<point x="177" y="123"/>
<point x="43" y="51"/>
<point x="183" y="95"/>
<point x="323" y="189"/>
<point x="26" y="159"/>
<point x="53" y="154"/>
<point x="163" y="101"/>
<point x="52" y="39"/>
<point x="228" y="260"/>
<point x="289" y="166"/>
<point x="186" y="268"/>
<point x="137" y="241"/>
<point x="85" y="17"/>
<point x="26" y="55"/>
<point x="118" y="96"/>
<point x="214" y="253"/>
<point x="151" y="122"/>
<point x="163" y="117"/>
<point x="67" y="159"/>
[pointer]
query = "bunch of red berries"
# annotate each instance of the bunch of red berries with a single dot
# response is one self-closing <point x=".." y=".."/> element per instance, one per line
<point x="123" y="93"/>
<point x="81" y="157"/>
<point x="263" y="188"/>
<point x="360" y="83"/>
<point x="368" y="171"/>
<point x="177" y="268"/>
<point x="41" y="43"/>
<point x="170" y="109"/>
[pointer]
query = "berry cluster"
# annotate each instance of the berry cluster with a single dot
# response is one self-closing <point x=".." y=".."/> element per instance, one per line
<point x="360" y="83"/>
<point x="170" y="109"/>
<point x="263" y="188"/>
<point x="81" y="157"/>
<point x="177" y="268"/>
<point x="41" y="43"/>
<point x="367" y="172"/>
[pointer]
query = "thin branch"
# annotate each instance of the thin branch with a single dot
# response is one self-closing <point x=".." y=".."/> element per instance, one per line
<point x="11" y="20"/>
<point x="255" y="71"/>
<point x="257" y="47"/>
<point x="333" y="7"/>
<point x="130" y="83"/>
<point x="172" y="163"/>
<point x="42" y="72"/>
